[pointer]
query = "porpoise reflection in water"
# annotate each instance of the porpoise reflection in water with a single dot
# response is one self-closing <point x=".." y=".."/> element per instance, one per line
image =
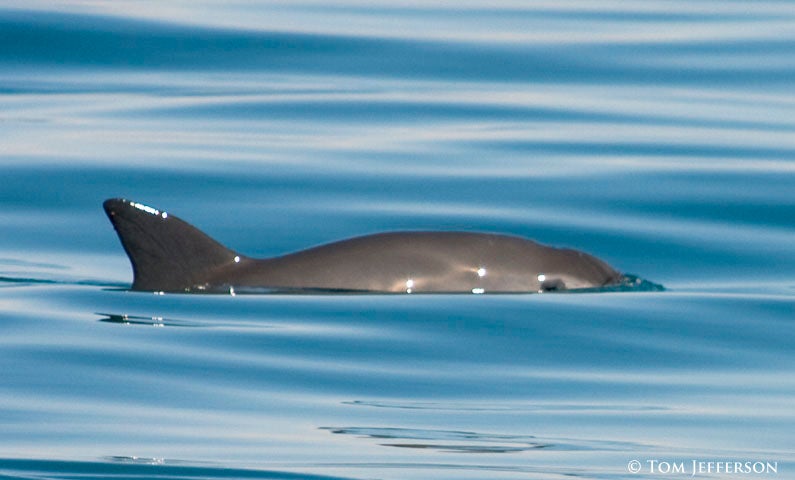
<point x="170" y="255"/>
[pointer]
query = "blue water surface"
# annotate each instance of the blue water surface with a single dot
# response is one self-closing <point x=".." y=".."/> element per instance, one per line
<point x="659" y="137"/>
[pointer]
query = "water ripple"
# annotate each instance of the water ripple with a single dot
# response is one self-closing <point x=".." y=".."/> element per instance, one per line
<point x="454" y="441"/>
<point x="112" y="41"/>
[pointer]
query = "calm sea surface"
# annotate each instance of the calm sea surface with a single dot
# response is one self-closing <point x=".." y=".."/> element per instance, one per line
<point x="657" y="136"/>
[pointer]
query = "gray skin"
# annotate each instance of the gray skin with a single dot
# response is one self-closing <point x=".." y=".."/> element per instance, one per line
<point x="168" y="254"/>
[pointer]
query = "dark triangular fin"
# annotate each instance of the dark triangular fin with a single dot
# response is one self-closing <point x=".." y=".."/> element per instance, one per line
<point x="167" y="254"/>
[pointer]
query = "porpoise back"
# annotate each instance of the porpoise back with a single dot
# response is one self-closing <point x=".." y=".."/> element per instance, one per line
<point x="170" y="255"/>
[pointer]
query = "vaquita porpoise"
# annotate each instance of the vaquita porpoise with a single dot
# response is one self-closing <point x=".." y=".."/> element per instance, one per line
<point x="170" y="255"/>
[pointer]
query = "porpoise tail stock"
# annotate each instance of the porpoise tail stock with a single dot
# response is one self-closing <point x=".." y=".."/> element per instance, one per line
<point x="169" y="255"/>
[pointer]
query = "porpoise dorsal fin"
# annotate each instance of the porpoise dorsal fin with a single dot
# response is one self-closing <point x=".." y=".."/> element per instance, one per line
<point x="167" y="254"/>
